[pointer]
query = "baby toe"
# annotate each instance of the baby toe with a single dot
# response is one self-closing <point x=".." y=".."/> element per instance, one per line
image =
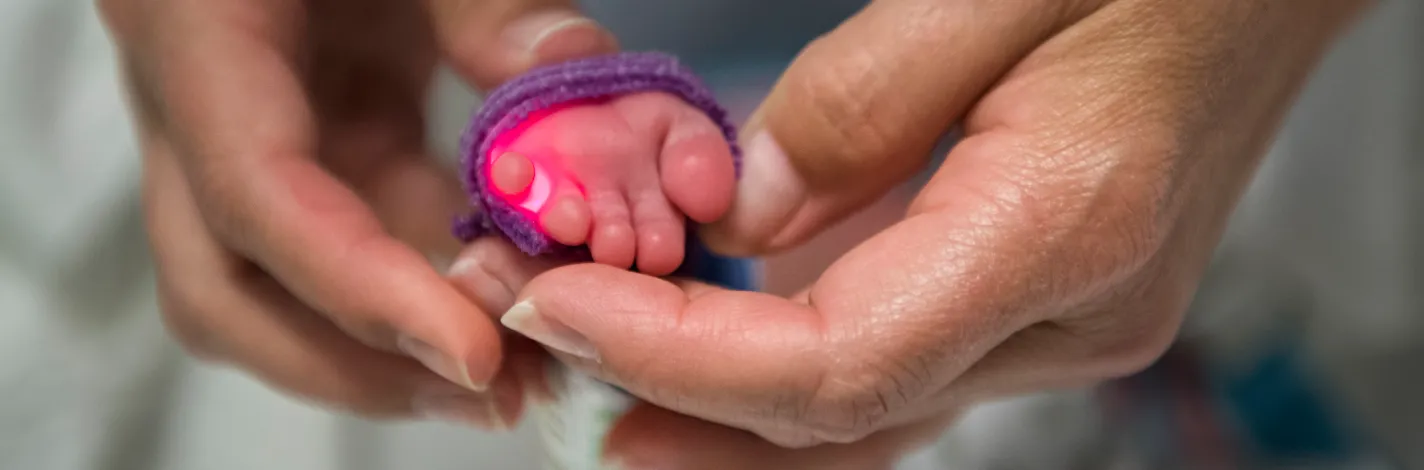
<point x="512" y="174"/>
<point x="567" y="218"/>
<point x="661" y="234"/>
<point x="613" y="241"/>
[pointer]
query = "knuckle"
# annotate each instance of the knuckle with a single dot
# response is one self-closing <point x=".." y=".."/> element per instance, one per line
<point x="844" y="115"/>
<point x="842" y="125"/>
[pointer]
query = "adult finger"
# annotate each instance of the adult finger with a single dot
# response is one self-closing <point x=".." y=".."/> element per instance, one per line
<point x="649" y="437"/>
<point x="490" y="41"/>
<point x="489" y="271"/>
<point x="861" y="108"/>
<point x="222" y="309"/>
<point x="263" y="193"/>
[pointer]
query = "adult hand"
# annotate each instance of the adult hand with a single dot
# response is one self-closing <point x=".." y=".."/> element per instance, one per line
<point x="1106" y="142"/>
<point x="649" y="436"/>
<point x="292" y="203"/>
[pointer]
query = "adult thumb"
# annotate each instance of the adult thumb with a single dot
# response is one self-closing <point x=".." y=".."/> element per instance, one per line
<point x="861" y="108"/>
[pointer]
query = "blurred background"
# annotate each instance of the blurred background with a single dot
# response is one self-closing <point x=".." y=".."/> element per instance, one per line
<point x="1304" y="349"/>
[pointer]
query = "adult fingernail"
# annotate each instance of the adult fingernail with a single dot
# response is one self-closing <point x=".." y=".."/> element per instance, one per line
<point x="768" y="195"/>
<point x="525" y="319"/>
<point x="489" y="293"/>
<point x="440" y="363"/>
<point x="530" y="33"/>
<point x="465" y="408"/>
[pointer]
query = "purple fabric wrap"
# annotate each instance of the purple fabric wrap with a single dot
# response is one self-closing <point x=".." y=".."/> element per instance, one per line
<point x="546" y="87"/>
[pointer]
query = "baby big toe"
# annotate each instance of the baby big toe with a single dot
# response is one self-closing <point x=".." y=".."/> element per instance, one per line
<point x="512" y="173"/>
<point x="697" y="170"/>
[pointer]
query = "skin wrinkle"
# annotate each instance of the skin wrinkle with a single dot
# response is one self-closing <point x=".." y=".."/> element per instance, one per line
<point x="846" y="118"/>
<point x="881" y="407"/>
<point x="1085" y="212"/>
<point x="794" y="404"/>
<point x="901" y="390"/>
<point x="830" y="412"/>
<point x="864" y="418"/>
<point x="929" y="336"/>
<point x="1092" y="224"/>
<point x="909" y="384"/>
<point x="913" y="23"/>
<point x="874" y="414"/>
<point x="991" y="230"/>
<point x="840" y="419"/>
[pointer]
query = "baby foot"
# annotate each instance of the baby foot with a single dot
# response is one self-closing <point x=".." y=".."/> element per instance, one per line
<point x="621" y="175"/>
